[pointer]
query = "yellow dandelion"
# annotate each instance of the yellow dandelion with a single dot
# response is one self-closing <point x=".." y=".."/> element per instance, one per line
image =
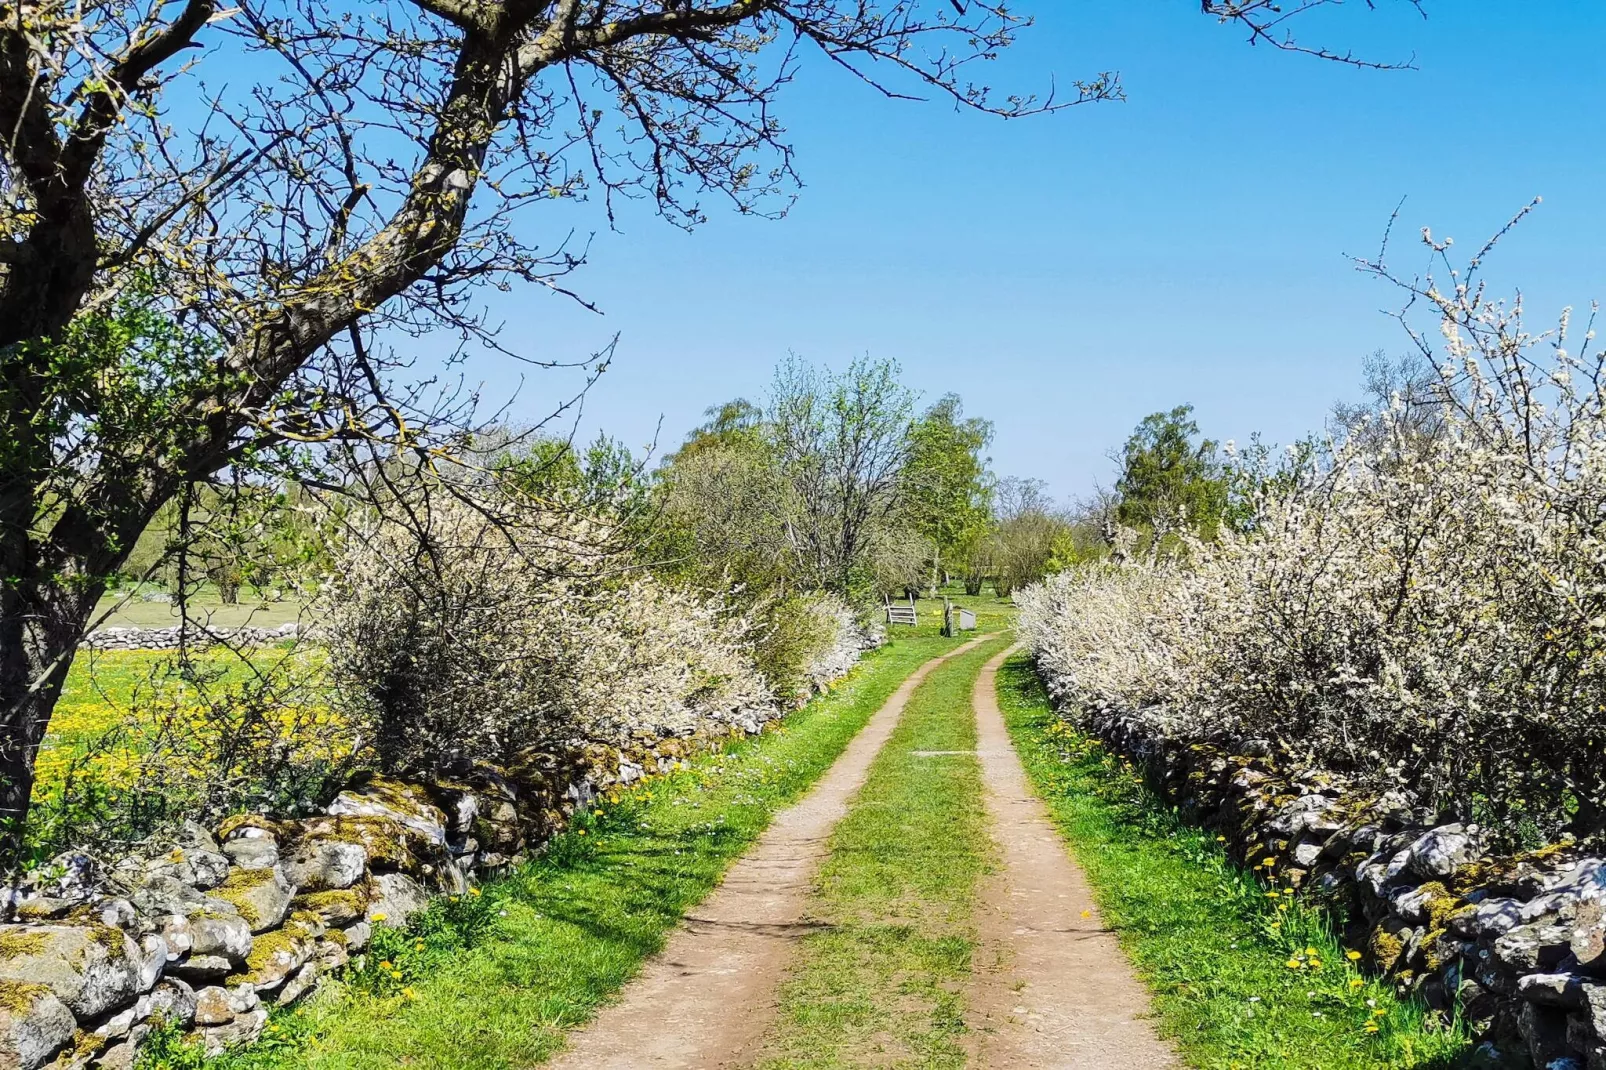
<point x="1353" y="956"/>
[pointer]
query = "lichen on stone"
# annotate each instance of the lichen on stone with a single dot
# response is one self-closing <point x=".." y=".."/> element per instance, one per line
<point x="234" y="824"/>
<point x="18" y="997"/>
<point x="16" y="944"/>
<point x="352" y="899"/>
<point x="233" y="891"/>
<point x="1386" y="949"/>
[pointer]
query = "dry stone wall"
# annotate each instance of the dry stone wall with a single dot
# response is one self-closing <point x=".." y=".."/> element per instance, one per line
<point x="192" y="634"/>
<point x="233" y="920"/>
<point x="1517" y="943"/>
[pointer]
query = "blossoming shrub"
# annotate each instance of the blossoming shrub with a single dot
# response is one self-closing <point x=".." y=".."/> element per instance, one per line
<point x="803" y="641"/>
<point x="1425" y="612"/>
<point x="455" y="634"/>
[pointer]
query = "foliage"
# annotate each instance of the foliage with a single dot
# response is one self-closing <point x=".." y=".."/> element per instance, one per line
<point x="1425" y="613"/>
<point x="726" y="507"/>
<point x="833" y="487"/>
<point x="842" y="442"/>
<point x="802" y="641"/>
<point x="1168" y="480"/>
<point x="947" y="492"/>
<point x="1028" y="533"/>
<point x="145" y="740"/>
<point x="464" y="634"/>
<point x="602" y="479"/>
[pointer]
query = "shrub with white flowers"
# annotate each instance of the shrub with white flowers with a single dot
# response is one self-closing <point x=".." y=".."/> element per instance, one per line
<point x="1425" y="612"/>
<point x="457" y="632"/>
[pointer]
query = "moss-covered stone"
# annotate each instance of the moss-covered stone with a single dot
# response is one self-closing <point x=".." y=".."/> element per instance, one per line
<point x="232" y="825"/>
<point x="1386" y="949"/>
<point x="260" y="895"/>
<point x="18" y="997"/>
<point x="336" y="907"/>
<point x="16" y="943"/>
<point x="389" y="843"/>
<point x="274" y="956"/>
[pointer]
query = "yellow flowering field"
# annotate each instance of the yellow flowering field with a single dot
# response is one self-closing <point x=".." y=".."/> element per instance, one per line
<point x="123" y="714"/>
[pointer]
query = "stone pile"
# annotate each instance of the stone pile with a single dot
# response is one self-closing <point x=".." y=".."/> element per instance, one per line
<point x="1518" y="943"/>
<point x="231" y="921"/>
<point x="192" y="634"/>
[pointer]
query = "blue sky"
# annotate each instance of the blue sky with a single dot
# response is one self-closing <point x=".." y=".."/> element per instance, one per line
<point x="1070" y="273"/>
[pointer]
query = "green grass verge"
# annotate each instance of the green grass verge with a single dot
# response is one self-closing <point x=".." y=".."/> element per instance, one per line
<point x="881" y="984"/>
<point x="1242" y="977"/>
<point x="495" y="979"/>
<point x="993" y="614"/>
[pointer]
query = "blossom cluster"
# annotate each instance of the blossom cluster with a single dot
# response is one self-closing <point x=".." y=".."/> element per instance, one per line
<point x="457" y="635"/>
<point x="1423" y="608"/>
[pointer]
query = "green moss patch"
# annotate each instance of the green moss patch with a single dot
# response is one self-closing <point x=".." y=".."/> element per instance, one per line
<point x="19" y="997"/>
<point x="15" y="944"/>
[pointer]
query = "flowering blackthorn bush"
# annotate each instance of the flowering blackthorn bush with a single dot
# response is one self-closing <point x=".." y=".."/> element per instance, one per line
<point x="455" y="633"/>
<point x="1423" y="611"/>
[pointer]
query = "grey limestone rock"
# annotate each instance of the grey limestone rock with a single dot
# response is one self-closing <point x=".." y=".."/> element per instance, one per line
<point x="396" y="897"/>
<point x="34" y="1025"/>
<point x="91" y="969"/>
<point x="325" y="865"/>
<point x="253" y="852"/>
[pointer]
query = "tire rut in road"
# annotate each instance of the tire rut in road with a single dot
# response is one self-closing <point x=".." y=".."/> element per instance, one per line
<point x="1051" y="987"/>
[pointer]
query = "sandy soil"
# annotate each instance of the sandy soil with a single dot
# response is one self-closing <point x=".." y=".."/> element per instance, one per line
<point x="1051" y="988"/>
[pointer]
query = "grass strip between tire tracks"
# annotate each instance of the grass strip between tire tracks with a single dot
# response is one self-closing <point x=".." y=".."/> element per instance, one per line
<point x="1243" y="977"/>
<point x="494" y="979"/>
<point x="881" y="984"/>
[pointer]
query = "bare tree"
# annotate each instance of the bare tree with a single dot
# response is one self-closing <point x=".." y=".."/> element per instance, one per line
<point x="842" y="442"/>
<point x="209" y="210"/>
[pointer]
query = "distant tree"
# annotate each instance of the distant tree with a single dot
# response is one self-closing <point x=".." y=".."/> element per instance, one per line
<point x="736" y="422"/>
<point x="1170" y="477"/>
<point x="1406" y="389"/>
<point x="947" y="489"/>
<point x="726" y="505"/>
<point x="841" y="441"/>
<point x="1028" y="527"/>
